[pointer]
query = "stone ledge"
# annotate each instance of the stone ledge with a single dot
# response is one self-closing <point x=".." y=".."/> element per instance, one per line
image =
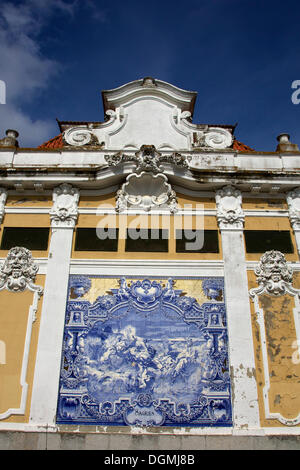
<point x="111" y="442"/>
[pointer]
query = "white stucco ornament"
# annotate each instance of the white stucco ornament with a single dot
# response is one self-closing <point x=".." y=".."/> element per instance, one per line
<point x="18" y="271"/>
<point x="151" y="112"/>
<point x="78" y="136"/>
<point x="3" y="197"/>
<point x="229" y="208"/>
<point x="273" y="273"/>
<point x="84" y="135"/>
<point x="293" y="199"/>
<point x="212" y="138"/>
<point x="147" y="159"/>
<point x="64" y="211"/>
<point x="146" y="191"/>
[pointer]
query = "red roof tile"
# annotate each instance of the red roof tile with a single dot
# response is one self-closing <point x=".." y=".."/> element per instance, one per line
<point x="54" y="143"/>
<point x="237" y="145"/>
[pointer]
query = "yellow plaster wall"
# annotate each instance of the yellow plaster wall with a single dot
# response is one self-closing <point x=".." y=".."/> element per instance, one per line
<point x="14" y="311"/>
<point x="267" y="223"/>
<point x="208" y="203"/>
<point x="264" y="204"/>
<point x="284" y="393"/>
<point x="107" y="200"/>
<point x="26" y="220"/>
<point x="29" y="201"/>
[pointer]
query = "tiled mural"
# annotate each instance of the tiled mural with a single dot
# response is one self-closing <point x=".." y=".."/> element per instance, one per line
<point x="145" y="352"/>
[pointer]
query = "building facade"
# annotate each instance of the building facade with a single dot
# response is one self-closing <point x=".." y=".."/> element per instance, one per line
<point x="149" y="282"/>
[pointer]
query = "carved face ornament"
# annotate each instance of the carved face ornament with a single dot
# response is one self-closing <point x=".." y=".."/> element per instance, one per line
<point x="16" y="260"/>
<point x="18" y="269"/>
<point x="232" y="215"/>
<point x="63" y="213"/>
<point x="273" y="272"/>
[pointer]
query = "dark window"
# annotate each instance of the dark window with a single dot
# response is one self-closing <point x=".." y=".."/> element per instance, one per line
<point x="259" y="241"/>
<point x="155" y="240"/>
<point x="92" y="239"/>
<point x="197" y="241"/>
<point x="33" y="238"/>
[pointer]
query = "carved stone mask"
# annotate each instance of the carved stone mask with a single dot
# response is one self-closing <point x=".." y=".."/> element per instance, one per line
<point x="18" y="270"/>
<point x="273" y="272"/>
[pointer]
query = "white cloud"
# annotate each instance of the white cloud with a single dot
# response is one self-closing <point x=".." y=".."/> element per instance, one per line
<point x="98" y="14"/>
<point x="23" y="67"/>
<point x="32" y="133"/>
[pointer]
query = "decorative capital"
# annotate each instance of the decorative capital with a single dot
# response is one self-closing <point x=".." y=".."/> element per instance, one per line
<point x="64" y="211"/>
<point x="3" y="197"/>
<point x="18" y="271"/>
<point x="229" y="208"/>
<point x="274" y="276"/>
<point x="293" y="200"/>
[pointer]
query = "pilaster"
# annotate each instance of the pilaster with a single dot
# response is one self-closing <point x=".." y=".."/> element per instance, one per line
<point x="63" y="214"/>
<point x="3" y="197"/>
<point x="241" y="353"/>
<point x="293" y="199"/>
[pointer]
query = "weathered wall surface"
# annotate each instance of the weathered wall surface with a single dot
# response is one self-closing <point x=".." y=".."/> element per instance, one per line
<point x="282" y="354"/>
<point x="281" y="335"/>
<point x="20" y="337"/>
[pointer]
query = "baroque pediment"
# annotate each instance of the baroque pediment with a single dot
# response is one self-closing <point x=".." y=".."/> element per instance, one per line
<point x="150" y="112"/>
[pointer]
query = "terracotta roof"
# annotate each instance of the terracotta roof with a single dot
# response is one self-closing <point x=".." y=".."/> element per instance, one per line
<point x="237" y="145"/>
<point x="57" y="143"/>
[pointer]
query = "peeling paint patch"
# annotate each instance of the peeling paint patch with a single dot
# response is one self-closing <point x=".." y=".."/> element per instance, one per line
<point x="277" y="399"/>
<point x="251" y="373"/>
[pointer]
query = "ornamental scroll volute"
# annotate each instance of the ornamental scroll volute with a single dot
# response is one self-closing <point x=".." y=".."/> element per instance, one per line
<point x="212" y="138"/>
<point x="276" y="310"/>
<point x="19" y="308"/>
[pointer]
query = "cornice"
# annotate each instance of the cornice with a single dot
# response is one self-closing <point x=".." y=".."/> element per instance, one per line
<point x="271" y="186"/>
<point x="204" y="171"/>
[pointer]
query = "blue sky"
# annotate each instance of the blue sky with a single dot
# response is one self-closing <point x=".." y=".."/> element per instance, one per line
<point x="241" y="56"/>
